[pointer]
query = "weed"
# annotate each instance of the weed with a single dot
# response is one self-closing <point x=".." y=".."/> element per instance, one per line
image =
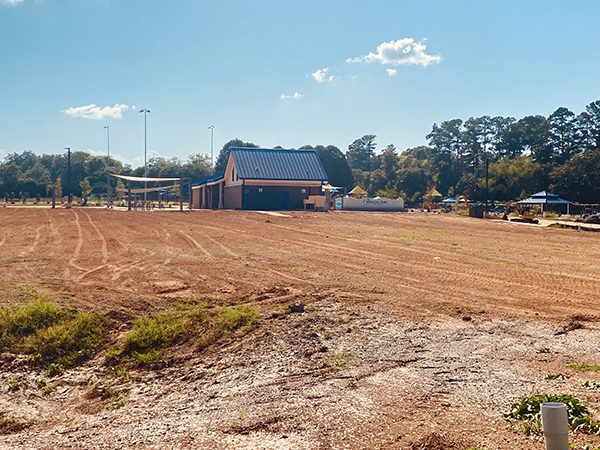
<point x="528" y="411"/>
<point x="50" y="334"/>
<point x="7" y="422"/>
<point x="154" y="332"/>
<point x="69" y="342"/>
<point x="14" y="384"/>
<point x="557" y="376"/>
<point x="584" y="366"/>
<point x="312" y="310"/>
<point x="281" y="310"/>
<point x="229" y="319"/>
<point x="543" y="350"/>
<point x="148" y="357"/>
<point x="152" y="335"/>
<point x="44" y="386"/>
<point x="122" y="374"/>
<point x="335" y="361"/>
<point x="591" y="385"/>
<point x="55" y="369"/>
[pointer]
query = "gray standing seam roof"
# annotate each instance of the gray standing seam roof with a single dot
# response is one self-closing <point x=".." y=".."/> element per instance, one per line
<point x="270" y="164"/>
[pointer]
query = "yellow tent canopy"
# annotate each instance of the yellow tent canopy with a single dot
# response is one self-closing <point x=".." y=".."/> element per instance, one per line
<point x="432" y="195"/>
<point x="358" y="192"/>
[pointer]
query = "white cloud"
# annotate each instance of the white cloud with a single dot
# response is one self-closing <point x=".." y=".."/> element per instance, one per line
<point x="95" y="112"/>
<point x="391" y="72"/>
<point x="321" y="75"/>
<point x="296" y="96"/>
<point x="402" y="51"/>
<point x="10" y="2"/>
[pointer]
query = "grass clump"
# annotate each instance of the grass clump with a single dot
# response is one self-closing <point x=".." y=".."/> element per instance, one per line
<point x="51" y="335"/>
<point x="152" y="335"/>
<point x="527" y="411"/>
<point x="335" y="361"/>
<point x="584" y="366"/>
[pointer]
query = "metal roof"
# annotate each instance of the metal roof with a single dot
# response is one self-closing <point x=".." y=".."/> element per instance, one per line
<point x="272" y="164"/>
<point x="215" y="177"/>
<point x="543" y="197"/>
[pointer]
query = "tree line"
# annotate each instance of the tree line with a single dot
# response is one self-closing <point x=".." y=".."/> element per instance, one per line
<point x="493" y="158"/>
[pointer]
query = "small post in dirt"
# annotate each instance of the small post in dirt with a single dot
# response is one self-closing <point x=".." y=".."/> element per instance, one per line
<point x="53" y="197"/>
<point x="555" y="424"/>
<point x="181" y="194"/>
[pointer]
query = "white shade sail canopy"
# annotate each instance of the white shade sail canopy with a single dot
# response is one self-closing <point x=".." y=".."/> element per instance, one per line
<point x="157" y="180"/>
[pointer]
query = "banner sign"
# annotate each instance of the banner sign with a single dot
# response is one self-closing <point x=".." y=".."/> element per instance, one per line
<point x="372" y="204"/>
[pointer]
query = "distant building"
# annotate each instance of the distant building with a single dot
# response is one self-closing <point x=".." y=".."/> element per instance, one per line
<point x="262" y="179"/>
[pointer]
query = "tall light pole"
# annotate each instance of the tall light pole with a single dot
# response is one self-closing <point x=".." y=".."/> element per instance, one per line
<point x="107" y="128"/>
<point x="212" y="130"/>
<point x="68" y="149"/>
<point x="145" y="152"/>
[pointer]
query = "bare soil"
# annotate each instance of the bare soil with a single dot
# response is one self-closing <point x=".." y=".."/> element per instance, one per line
<point x="420" y="329"/>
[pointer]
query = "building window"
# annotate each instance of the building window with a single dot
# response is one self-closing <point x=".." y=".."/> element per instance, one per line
<point x="233" y="174"/>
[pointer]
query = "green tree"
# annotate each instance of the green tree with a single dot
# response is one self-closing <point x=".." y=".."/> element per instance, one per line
<point x="335" y="164"/>
<point x="361" y="153"/>
<point x="579" y="178"/>
<point x="223" y="157"/>
<point x="86" y="190"/>
<point x="562" y="135"/>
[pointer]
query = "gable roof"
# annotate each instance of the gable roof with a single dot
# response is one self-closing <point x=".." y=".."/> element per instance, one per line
<point x="271" y="164"/>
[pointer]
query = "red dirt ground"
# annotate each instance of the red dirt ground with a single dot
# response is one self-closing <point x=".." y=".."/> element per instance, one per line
<point x="444" y="320"/>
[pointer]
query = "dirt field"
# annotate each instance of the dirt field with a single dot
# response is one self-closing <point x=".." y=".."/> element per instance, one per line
<point x="437" y="323"/>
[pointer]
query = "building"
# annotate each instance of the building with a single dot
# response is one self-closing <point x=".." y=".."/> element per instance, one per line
<point x="262" y="179"/>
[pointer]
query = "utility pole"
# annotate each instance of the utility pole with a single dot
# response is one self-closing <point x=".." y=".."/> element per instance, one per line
<point x="145" y="150"/>
<point x="107" y="128"/>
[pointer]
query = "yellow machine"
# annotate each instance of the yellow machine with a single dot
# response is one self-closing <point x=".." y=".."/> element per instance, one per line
<point x="526" y="216"/>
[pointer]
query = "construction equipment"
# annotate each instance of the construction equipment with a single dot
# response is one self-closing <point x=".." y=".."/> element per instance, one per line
<point x="526" y="216"/>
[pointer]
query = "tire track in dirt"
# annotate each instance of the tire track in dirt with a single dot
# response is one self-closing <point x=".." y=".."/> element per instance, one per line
<point x="79" y="244"/>
<point x="520" y="281"/>
<point x="227" y="250"/>
<point x="34" y="244"/>
<point x="197" y="244"/>
<point x="101" y="236"/>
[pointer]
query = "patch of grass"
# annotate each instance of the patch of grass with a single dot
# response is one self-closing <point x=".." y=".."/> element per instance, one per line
<point x="527" y="411"/>
<point x="9" y="424"/>
<point x="152" y="335"/>
<point x="50" y="334"/>
<point x="335" y="361"/>
<point x="584" y="366"/>
<point x="68" y="342"/>
<point x="230" y="318"/>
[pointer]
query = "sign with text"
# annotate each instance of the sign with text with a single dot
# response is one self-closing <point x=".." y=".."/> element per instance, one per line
<point x="372" y="204"/>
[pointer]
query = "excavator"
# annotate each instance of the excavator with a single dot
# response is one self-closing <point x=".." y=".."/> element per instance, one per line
<point x="525" y="216"/>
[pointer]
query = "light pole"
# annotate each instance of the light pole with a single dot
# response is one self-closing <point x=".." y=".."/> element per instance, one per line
<point x="145" y="152"/>
<point x="212" y="130"/>
<point x="68" y="149"/>
<point x="107" y="128"/>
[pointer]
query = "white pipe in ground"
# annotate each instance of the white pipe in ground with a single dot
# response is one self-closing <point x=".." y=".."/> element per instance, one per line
<point x="555" y="425"/>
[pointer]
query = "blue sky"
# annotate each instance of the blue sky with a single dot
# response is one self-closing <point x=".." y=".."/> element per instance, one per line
<point x="281" y="72"/>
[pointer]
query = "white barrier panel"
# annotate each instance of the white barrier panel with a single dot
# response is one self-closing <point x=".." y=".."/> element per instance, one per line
<point x="372" y="204"/>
